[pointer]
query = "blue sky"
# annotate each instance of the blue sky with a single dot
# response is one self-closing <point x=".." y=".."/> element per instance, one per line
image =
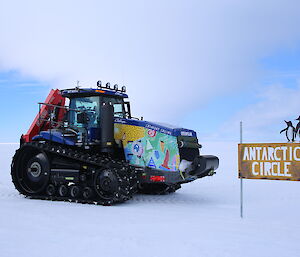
<point x="204" y="65"/>
<point x="19" y="98"/>
<point x="280" y="68"/>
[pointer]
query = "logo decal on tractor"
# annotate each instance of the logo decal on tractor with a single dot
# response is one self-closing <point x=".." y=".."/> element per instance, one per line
<point x="186" y="133"/>
<point x="137" y="149"/>
<point x="151" y="133"/>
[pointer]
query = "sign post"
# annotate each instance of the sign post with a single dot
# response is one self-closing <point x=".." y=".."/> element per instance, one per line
<point x="274" y="161"/>
<point x="241" y="179"/>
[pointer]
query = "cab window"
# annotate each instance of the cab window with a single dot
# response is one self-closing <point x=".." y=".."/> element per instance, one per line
<point x="118" y="106"/>
<point x="90" y="105"/>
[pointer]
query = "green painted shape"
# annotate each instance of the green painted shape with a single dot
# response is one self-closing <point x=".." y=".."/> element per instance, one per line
<point x="144" y="149"/>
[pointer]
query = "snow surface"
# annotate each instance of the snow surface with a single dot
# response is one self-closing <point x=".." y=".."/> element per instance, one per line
<point x="201" y="219"/>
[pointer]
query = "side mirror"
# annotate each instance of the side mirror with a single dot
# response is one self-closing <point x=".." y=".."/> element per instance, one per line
<point x="82" y="118"/>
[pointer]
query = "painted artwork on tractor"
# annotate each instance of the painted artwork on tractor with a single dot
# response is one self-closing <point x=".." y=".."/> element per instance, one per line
<point x="148" y="148"/>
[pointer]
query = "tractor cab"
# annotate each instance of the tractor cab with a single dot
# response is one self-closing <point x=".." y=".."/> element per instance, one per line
<point x="92" y="111"/>
<point x="90" y="106"/>
<point x="88" y="118"/>
<point x="90" y="100"/>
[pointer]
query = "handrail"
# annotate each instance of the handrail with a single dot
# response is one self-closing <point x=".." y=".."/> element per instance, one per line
<point x="58" y="122"/>
<point x="63" y="107"/>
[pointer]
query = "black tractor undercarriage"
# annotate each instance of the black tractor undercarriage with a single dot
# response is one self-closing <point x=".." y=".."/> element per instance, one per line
<point x="97" y="179"/>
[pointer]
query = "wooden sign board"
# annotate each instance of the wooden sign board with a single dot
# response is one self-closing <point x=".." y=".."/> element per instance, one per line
<point x="277" y="161"/>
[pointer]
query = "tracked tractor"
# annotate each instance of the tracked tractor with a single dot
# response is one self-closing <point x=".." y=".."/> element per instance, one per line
<point x="85" y="146"/>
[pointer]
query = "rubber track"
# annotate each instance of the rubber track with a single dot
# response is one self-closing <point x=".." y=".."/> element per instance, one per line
<point x="96" y="160"/>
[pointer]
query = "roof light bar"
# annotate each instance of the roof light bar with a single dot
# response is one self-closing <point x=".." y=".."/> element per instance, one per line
<point x="107" y="86"/>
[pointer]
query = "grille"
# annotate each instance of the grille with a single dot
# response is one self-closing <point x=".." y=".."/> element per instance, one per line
<point x="188" y="153"/>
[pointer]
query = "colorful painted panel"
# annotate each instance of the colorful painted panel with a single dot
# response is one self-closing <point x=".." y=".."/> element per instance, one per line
<point x="147" y="147"/>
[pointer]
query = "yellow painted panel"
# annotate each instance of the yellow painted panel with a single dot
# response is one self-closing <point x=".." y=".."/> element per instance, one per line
<point x="128" y="133"/>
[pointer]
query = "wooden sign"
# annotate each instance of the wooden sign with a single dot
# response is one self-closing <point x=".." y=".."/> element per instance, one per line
<point x="277" y="161"/>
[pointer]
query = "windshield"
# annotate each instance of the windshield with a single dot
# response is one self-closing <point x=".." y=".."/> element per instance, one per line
<point x="91" y="105"/>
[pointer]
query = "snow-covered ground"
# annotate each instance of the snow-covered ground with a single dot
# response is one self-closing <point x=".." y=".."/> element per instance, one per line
<point x="201" y="219"/>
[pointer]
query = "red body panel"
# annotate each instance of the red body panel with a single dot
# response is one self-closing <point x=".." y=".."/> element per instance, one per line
<point x="40" y="123"/>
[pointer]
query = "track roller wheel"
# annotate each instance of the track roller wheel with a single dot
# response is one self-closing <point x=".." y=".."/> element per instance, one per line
<point x="87" y="193"/>
<point x="30" y="170"/>
<point x="106" y="185"/>
<point x="75" y="191"/>
<point x="63" y="190"/>
<point x="50" y="190"/>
